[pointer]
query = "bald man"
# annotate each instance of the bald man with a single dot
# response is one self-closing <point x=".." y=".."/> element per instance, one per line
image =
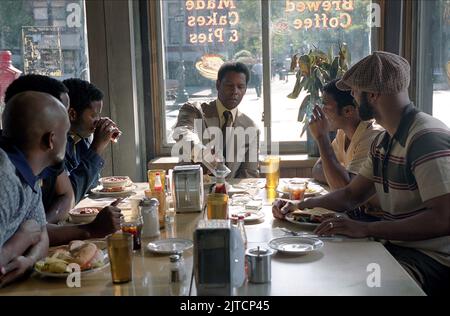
<point x="29" y="144"/>
<point x="57" y="193"/>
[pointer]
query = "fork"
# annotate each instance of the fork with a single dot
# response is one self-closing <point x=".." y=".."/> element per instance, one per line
<point x="306" y="234"/>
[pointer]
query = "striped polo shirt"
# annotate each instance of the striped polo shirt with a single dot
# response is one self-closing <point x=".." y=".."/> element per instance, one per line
<point x="411" y="168"/>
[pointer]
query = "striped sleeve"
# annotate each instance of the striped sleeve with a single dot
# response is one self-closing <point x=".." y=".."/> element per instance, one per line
<point x="429" y="160"/>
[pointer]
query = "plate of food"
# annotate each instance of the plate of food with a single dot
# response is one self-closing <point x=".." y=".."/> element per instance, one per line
<point x="83" y="214"/>
<point x="309" y="216"/>
<point x="312" y="189"/>
<point x="115" y="181"/>
<point x="169" y="246"/>
<point x="295" y="244"/>
<point x="249" y="216"/>
<point x="87" y="255"/>
<point x="114" y="191"/>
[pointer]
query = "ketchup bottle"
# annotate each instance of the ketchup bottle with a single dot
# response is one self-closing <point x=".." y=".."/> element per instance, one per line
<point x="221" y="186"/>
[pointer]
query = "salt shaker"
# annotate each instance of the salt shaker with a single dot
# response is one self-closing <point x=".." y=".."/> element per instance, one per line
<point x="177" y="277"/>
<point x="149" y="212"/>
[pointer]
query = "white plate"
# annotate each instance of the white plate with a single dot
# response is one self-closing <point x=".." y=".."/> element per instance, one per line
<point x="128" y="189"/>
<point x="169" y="246"/>
<point x="66" y="274"/>
<point x="314" y="189"/>
<point x="290" y="218"/>
<point x="249" y="216"/>
<point x="295" y="244"/>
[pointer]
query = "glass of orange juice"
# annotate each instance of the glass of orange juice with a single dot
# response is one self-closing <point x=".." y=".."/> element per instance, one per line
<point x="271" y="167"/>
<point x="297" y="190"/>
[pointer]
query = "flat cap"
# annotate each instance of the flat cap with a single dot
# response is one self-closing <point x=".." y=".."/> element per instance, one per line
<point x="380" y="72"/>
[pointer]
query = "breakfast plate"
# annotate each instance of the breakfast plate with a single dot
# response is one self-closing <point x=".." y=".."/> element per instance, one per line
<point x="115" y="181"/>
<point x="295" y="244"/>
<point x="66" y="274"/>
<point x="290" y="218"/>
<point x="169" y="246"/>
<point x="311" y="190"/>
<point x="249" y="216"/>
<point x="309" y="216"/>
<point x="83" y="214"/>
<point x="99" y="190"/>
<point x="91" y="256"/>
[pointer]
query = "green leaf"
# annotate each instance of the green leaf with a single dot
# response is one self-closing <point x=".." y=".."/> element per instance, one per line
<point x="334" y="68"/>
<point x="303" y="108"/>
<point x="294" y="62"/>
<point x="299" y="84"/>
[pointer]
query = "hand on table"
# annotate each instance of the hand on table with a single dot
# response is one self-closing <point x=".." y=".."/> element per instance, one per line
<point x="281" y="207"/>
<point x="342" y="226"/>
<point x="15" y="269"/>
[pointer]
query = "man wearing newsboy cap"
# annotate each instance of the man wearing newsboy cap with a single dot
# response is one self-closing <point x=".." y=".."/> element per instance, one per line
<point x="408" y="167"/>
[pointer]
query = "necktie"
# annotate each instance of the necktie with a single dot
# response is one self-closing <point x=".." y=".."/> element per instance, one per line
<point x="228" y="122"/>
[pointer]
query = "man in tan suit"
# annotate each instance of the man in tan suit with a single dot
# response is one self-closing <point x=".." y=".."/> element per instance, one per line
<point x="220" y="122"/>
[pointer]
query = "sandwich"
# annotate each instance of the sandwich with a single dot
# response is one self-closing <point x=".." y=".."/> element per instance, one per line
<point x="85" y="254"/>
<point x="312" y="215"/>
<point x="88" y="256"/>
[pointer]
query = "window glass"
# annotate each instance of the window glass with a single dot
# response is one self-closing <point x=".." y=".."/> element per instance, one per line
<point x="42" y="37"/>
<point x="212" y="32"/>
<point x="298" y="27"/>
<point x="45" y="37"/>
<point x="440" y="41"/>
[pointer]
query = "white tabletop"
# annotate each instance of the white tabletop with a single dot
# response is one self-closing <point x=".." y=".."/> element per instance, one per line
<point x="339" y="268"/>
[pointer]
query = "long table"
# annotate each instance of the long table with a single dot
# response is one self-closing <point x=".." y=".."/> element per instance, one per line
<point x="342" y="267"/>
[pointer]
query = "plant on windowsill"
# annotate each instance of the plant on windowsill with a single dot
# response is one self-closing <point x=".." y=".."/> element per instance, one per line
<point x="314" y="71"/>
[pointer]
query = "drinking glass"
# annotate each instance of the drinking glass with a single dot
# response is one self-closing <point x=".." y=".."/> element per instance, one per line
<point x="271" y="167"/>
<point x="120" y="250"/>
<point x="217" y="206"/>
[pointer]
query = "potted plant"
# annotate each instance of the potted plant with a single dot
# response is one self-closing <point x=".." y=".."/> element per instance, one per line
<point x="314" y="70"/>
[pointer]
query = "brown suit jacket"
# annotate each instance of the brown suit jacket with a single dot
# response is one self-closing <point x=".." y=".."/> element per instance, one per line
<point x="207" y="112"/>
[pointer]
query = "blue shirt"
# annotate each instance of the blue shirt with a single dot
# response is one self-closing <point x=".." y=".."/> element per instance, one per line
<point x="83" y="165"/>
<point x="20" y="195"/>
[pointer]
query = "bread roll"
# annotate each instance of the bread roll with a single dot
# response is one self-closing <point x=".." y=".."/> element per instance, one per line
<point x="74" y="244"/>
<point x="84" y="255"/>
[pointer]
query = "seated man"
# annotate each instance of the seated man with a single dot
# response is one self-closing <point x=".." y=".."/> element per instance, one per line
<point x="408" y="168"/>
<point x="29" y="144"/>
<point x="341" y="159"/>
<point x="57" y="192"/>
<point x="83" y="160"/>
<point x="223" y="115"/>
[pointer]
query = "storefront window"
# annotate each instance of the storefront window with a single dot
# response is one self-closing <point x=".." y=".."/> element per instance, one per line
<point x="45" y="37"/>
<point x="216" y="31"/>
<point x="42" y="37"/>
<point x="440" y="41"/>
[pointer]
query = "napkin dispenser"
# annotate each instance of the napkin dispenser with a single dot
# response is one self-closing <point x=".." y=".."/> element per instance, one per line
<point x="188" y="188"/>
<point x="219" y="255"/>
